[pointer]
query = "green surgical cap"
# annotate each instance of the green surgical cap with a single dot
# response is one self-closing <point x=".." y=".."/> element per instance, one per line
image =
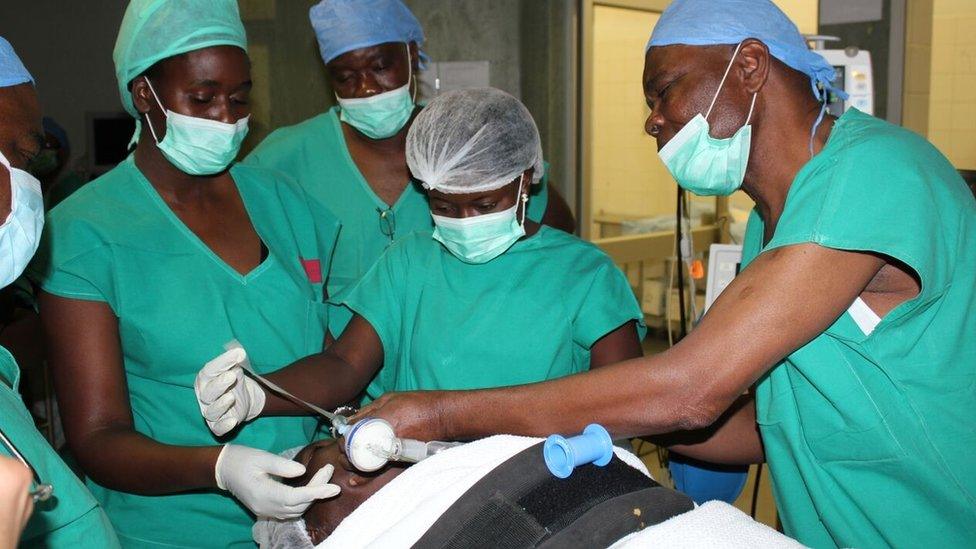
<point x="153" y="30"/>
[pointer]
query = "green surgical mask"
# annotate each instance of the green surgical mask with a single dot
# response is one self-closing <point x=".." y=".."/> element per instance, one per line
<point x="382" y="115"/>
<point x="703" y="164"/>
<point x="198" y="146"/>
<point x="481" y="238"/>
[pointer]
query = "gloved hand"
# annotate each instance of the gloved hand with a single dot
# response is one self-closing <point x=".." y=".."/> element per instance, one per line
<point x="227" y="397"/>
<point x="253" y="477"/>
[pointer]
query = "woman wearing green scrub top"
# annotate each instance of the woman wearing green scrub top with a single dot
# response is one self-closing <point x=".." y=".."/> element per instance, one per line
<point x="150" y="270"/>
<point x="439" y="311"/>
<point x="351" y="158"/>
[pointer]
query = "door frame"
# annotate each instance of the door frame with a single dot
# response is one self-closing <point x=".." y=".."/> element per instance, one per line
<point x="585" y="155"/>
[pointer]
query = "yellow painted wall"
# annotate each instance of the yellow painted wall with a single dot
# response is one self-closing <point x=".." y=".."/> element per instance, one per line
<point x="627" y="177"/>
<point x="918" y="69"/>
<point x="952" y="98"/>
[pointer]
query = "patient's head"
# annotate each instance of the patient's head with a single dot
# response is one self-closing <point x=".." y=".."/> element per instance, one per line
<point x="325" y="515"/>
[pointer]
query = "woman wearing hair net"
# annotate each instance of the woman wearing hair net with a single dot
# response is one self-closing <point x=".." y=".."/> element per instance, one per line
<point x="69" y="516"/>
<point x="488" y="299"/>
<point x="149" y="270"/>
<point x="351" y="158"/>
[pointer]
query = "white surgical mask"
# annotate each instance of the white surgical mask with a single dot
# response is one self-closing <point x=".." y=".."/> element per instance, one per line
<point x="382" y="115"/>
<point x="198" y="146"/>
<point x="481" y="238"/>
<point x="21" y="231"/>
<point x="705" y="165"/>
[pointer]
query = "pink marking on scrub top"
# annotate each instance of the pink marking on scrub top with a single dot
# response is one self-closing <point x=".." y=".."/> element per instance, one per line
<point x="313" y="270"/>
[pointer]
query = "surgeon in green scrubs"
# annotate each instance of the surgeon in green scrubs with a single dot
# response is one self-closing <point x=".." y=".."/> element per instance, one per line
<point x="488" y="299"/>
<point x="853" y="317"/>
<point x="351" y="158"/>
<point x="152" y="268"/>
<point x="70" y="517"/>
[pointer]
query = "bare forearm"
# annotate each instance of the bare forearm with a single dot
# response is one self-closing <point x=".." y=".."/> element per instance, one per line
<point x="733" y="439"/>
<point x="629" y="398"/>
<point x="124" y="460"/>
<point x="323" y="379"/>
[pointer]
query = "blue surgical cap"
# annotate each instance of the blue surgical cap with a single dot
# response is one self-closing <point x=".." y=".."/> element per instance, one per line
<point x="717" y="22"/>
<point x="12" y="70"/>
<point x="153" y="30"/>
<point x="345" y="25"/>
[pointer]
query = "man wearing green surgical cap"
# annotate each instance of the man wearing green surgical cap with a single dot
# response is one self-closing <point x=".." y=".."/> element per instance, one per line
<point x="151" y="269"/>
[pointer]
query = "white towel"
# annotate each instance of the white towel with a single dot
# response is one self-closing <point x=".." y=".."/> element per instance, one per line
<point x="403" y="510"/>
<point x="714" y="524"/>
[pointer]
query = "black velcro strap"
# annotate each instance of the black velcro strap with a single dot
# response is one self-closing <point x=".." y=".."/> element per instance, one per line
<point x="520" y="504"/>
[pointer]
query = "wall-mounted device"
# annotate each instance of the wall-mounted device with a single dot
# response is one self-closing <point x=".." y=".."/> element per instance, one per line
<point x="852" y="67"/>
<point x="723" y="264"/>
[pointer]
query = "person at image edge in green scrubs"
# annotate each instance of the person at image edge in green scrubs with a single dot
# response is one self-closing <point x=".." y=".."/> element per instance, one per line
<point x="149" y="270"/>
<point x="70" y="517"/>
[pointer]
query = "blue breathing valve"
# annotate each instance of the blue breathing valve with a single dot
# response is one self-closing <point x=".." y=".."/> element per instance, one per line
<point x="563" y="454"/>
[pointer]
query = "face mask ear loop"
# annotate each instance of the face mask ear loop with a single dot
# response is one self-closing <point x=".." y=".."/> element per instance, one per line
<point x="410" y="74"/>
<point x="161" y="107"/>
<point x="722" y="83"/>
<point x="751" y="107"/>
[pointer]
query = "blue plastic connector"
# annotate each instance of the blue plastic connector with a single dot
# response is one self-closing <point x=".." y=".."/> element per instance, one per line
<point x="563" y="454"/>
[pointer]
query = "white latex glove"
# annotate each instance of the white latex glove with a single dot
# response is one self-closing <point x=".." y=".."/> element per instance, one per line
<point x="253" y="477"/>
<point x="227" y="397"/>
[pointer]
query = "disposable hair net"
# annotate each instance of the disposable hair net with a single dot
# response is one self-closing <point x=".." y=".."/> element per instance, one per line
<point x="12" y="70"/>
<point x="153" y="30"/>
<point x="345" y="25"/>
<point x="716" y="22"/>
<point x="473" y="140"/>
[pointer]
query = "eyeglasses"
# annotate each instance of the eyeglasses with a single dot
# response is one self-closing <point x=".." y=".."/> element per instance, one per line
<point x="42" y="491"/>
<point x="387" y="222"/>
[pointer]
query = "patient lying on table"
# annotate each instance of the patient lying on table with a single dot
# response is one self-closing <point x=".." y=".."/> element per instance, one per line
<point x="423" y="504"/>
<point x="323" y="516"/>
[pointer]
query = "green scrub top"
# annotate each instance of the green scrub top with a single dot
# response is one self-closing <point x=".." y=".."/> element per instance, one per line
<point x="115" y="240"/>
<point x="529" y="315"/>
<point x="315" y="154"/>
<point x="71" y="517"/>
<point x="871" y="438"/>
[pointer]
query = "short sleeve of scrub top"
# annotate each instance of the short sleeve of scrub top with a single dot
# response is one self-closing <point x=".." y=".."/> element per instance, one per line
<point x="881" y="411"/>
<point x="116" y="241"/>
<point x="529" y="315"/>
<point x="854" y="201"/>
<point x="607" y="291"/>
